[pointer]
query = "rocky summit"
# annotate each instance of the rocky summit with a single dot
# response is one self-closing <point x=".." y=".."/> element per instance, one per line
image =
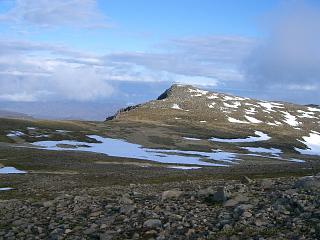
<point x="182" y="104"/>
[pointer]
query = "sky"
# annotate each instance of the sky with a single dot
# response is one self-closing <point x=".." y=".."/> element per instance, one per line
<point x="120" y="52"/>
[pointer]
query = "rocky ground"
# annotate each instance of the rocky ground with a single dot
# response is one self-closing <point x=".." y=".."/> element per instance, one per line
<point x="274" y="208"/>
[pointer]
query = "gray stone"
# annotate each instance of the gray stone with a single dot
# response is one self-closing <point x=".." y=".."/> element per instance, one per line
<point x="95" y="214"/>
<point x="171" y="194"/>
<point x="242" y="208"/>
<point x="235" y="201"/>
<point x="246" y="180"/>
<point x="48" y="203"/>
<point x="267" y="184"/>
<point x="308" y="183"/>
<point x="127" y="209"/>
<point x="259" y="222"/>
<point x="247" y="214"/>
<point x="125" y="200"/>
<point x="231" y="203"/>
<point x="152" y="223"/>
<point x="221" y="195"/>
<point x="205" y="192"/>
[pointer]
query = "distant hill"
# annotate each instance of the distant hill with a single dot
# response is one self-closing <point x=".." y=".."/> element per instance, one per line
<point x="66" y="110"/>
<point x="313" y="105"/>
<point x="10" y="114"/>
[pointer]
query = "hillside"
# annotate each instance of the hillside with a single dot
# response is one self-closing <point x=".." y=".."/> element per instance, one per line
<point x="184" y="103"/>
<point x="229" y="116"/>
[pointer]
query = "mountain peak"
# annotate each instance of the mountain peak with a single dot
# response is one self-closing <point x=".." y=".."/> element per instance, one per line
<point x="180" y="91"/>
<point x="189" y="105"/>
<point x="174" y="89"/>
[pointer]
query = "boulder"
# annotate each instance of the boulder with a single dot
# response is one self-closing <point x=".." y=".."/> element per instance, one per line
<point x="246" y="180"/>
<point x="152" y="224"/>
<point x="221" y="195"/>
<point x="308" y="183"/>
<point x="48" y="203"/>
<point x="171" y="194"/>
<point x="125" y="200"/>
<point x="242" y="208"/>
<point x="236" y="200"/>
<point x="267" y="184"/>
<point x="205" y="192"/>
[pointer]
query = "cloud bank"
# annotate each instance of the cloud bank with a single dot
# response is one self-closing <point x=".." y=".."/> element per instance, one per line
<point x="38" y="71"/>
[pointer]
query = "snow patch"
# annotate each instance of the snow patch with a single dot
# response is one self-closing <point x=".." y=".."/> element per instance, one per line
<point x="313" y="109"/>
<point x="213" y="96"/>
<point x="270" y="105"/>
<point x="272" y="151"/>
<point x="198" y="92"/>
<point x="42" y="135"/>
<point x="232" y="98"/>
<point x="233" y="120"/>
<point x="15" y="134"/>
<point x="306" y="114"/>
<point x="6" y="189"/>
<point x="10" y="170"/>
<point x="251" y="111"/>
<point x="313" y="144"/>
<point x="121" y="148"/>
<point x="252" y="119"/>
<point x="62" y="131"/>
<point x="176" y="106"/>
<point x="260" y="137"/>
<point x="276" y="123"/>
<point x="296" y="160"/>
<point x="184" y="167"/>
<point x="211" y="105"/>
<point x="290" y="119"/>
<point x="192" y="139"/>
<point x="233" y="105"/>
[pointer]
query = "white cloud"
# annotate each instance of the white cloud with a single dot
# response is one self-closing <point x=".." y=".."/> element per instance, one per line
<point x="32" y="72"/>
<point x="18" y="97"/>
<point x="81" y="83"/>
<point x="215" y="57"/>
<point x="52" y="13"/>
<point x="28" y="68"/>
<point x="27" y="95"/>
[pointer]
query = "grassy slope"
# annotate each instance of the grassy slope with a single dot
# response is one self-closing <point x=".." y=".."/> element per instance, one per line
<point x="52" y="171"/>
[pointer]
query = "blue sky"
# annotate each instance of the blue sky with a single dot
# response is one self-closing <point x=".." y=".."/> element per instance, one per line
<point x="139" y="25"/>
<point x="92" y="51"/>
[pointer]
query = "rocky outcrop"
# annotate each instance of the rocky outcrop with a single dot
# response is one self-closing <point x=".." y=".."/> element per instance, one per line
<point x="122" y="110"/>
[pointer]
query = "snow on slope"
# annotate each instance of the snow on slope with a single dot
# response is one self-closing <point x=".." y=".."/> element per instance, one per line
<point x="260" y="137"/>
<point x="313" y="144"/>
<point x="176" y="106"/>
<point x="290" y="119"/>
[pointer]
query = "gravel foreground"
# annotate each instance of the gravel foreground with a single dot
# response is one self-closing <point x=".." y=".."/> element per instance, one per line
<point x="278" y="208"/>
